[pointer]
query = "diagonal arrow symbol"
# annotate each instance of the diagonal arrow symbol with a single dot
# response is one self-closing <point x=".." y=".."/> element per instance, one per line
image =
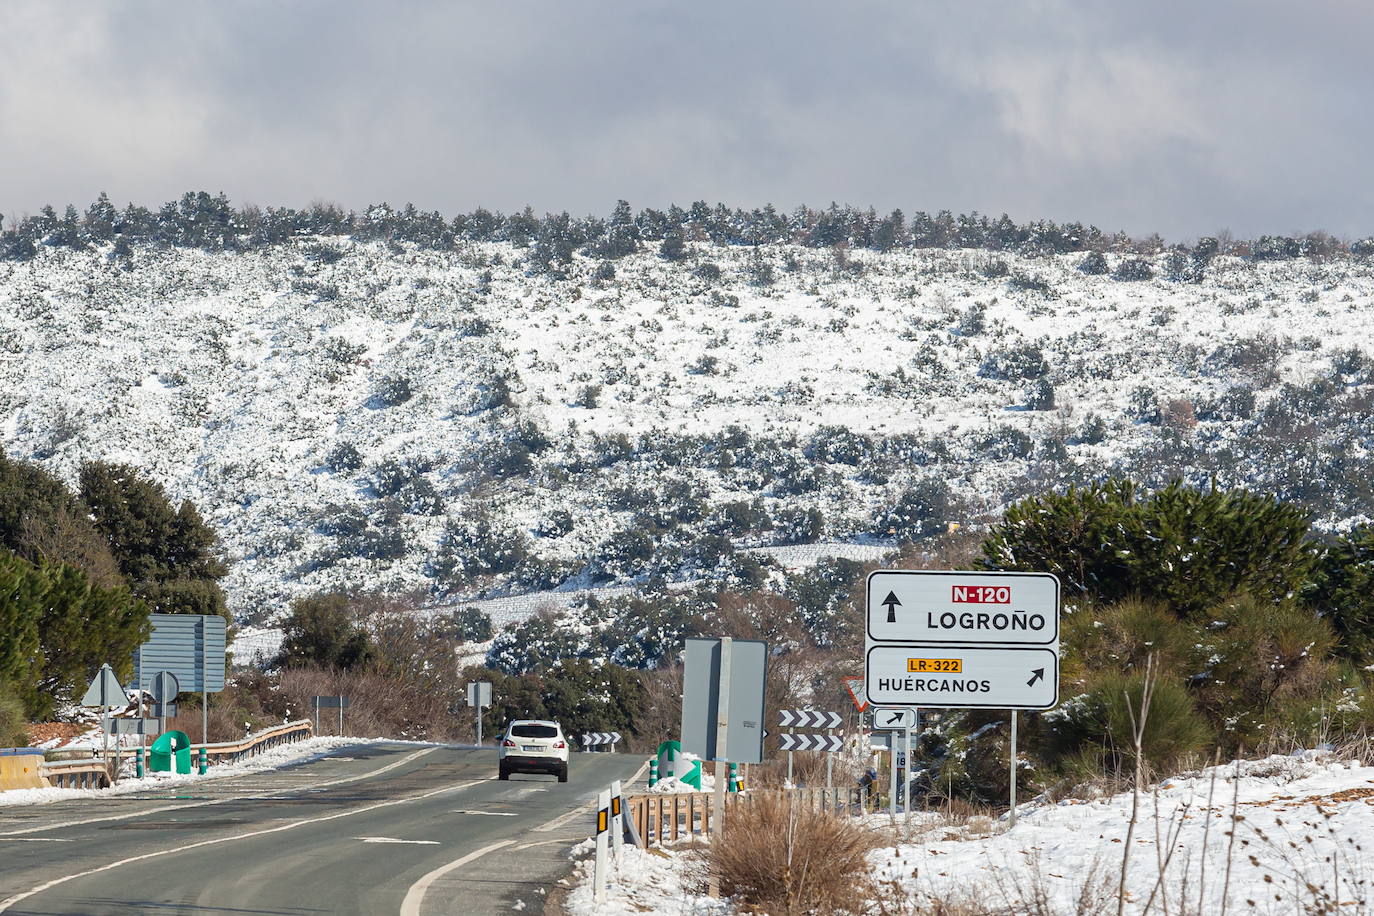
<point x="1036" y="674"/>
<point x="891" y="603"/>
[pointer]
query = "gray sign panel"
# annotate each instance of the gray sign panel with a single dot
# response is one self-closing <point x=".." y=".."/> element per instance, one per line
<point x="105" y="690"/>
<point x="701" y="696"/>
<point x="130" y="726"/>
<point x="479" y="693"/>
<point x="191" y="646"/>
<point x="165" y="687"/>
<point x="329" y="702"/>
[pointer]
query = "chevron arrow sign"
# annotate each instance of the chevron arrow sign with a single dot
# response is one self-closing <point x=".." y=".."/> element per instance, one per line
<point x="601" y="738"/>
<point x="809" y="742"/>
<point x="809" y="718"/>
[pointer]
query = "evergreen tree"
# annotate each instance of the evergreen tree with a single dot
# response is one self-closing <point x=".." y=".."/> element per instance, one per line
<point x="41" y="520"/>
<point x="1344" y="593"/>
<point x="323" y="630"/>
<point x="1189" y="549"/>
<point x="21" y="592"/>
<point x="166" y="554"/>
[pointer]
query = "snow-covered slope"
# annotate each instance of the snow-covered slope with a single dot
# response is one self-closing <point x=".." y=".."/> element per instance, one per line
<point x="382" y="416"/>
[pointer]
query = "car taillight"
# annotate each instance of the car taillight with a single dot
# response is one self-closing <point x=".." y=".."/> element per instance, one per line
<point x="559" y="744"/>
<point x="508" y="743"/>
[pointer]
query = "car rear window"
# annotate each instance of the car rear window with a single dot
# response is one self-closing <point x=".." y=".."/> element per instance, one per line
<point x="534" y="731"/>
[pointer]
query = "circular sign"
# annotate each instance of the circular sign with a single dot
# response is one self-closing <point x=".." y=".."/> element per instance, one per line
<point x="165" y="687"/>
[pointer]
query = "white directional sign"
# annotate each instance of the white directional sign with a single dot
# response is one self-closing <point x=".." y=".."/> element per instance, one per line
<point x="889" y="717"/>
<point x="600" y="738"/>
<point x="962" y="639"/>
<point x="963" y="608"/>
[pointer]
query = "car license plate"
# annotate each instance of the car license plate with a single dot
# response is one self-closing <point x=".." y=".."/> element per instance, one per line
<point x="531" y="747"/>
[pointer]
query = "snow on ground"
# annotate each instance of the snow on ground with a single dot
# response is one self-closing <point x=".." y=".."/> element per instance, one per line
<point x="643" y="881"/>
<point x="299" y="752"/>
<point x="1301" y="842"/>
<point x="337" y="420"/>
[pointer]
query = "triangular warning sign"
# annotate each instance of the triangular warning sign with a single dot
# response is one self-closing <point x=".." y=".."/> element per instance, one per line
<point x="105" y="690"/>
<point x="855" y="685"/>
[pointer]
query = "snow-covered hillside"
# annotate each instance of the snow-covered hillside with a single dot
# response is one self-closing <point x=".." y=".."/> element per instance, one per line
<point x="370" y="414"/>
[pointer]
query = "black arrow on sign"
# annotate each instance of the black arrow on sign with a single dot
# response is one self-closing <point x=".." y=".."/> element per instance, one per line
<point x="896" y="717"/>
<point x="1036" y="674"/>
<point x="891" y="603"/>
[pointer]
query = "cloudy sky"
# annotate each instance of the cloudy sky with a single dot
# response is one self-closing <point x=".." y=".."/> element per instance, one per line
<point x="1177" y="116"/>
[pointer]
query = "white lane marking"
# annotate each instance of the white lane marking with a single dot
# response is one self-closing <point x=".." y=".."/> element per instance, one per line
<point x="31" y="839"/>
<point x="410" y="906"/>
<point x="485" y="813"/>
<point x="388" y="839"/>
<point x="217" y="801"/>
<point x="564" y="818"/>
<point x="539" y="843"/>
<point x="11" y="901"/>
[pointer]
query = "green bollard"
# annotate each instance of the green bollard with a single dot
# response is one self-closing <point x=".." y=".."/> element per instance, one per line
<point x="734" y="777"/>
<point x="653" y="772"/>
<point x="204" y="761"/>
<point x="138" y="765"/>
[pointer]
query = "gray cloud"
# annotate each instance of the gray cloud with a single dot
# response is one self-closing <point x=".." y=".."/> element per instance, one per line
<point x="1175" y="117"/>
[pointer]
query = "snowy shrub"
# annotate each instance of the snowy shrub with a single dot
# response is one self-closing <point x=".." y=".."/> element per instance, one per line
<point x="420" y="498"/>
<point x="505" y="458"/>
<point x="554" y="524"/>
<point x="737" y="518"/>
<point x="605" y="272"/>
<point x="391" y="390"/>
<point x="588" y="396"/>
<point x="475" y="545"/>
<point x="1030" y="283"/>
<point x="1133" y="270"/>
<point x="623" y="554"/>
<point x="466" y="624"/>
<point x="837" y="445"/>
<point x="1236" y="403"/>
<point x="343" y="457"/>
<point x="798" y="526"/>
<point x="338" y="354"/>
<point x="384" y="541"/>
<point x="1092" y="432"/>
<point x="707" y="271"/>
<point x="1040" y="395"/>
<point x="1015" y="362"/>
<point x="1095" y="264"/>
<point x="995" y="269"/>
<point x="341" y="521"/>
<point x="389" y="476"/>
<point x="1144" y="405"/>
<point x="1099" y="723"/>
<point x="1002" y="443"/>
<point x="920" y="512"/>
<point x="973" y="320"/>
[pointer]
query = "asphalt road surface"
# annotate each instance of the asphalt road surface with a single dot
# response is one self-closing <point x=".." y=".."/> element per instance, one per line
<point x="369" y="829"/>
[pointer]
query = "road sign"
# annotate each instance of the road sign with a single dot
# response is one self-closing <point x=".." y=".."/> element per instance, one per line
<point x="601" y="738"/>
<point x="130" y="726"/>
<point x="722" y="699"/>
<point x="1000" y="677"/>
<point x="951" y="640"/>
<point x="191" y="646"/>
<point x="963" y="608"/>
<point x="809" y="718"/>
<point x="788" y="742"/>
<point x="329" y="703"/>
<point x="855" y="686"/>
<point x="894" y="717"/>
<point x="479" y="693"/>
<point x="105" y="690"/>
<point x="164" y="688"/>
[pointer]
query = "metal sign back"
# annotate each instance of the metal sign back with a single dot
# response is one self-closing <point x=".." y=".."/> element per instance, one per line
<point x="105" y="690"/>
<point x="329" y="702"/>
<point x="191" y="646"/>
<point x="701" y="699"/>
<point x="130" y="726"/>
<point x="164" y="687"/>
<point x="479" y="694"/>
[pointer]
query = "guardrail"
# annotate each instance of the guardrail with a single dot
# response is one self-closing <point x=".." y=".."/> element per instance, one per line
<point x="672" y="816"/>
<point x="87" y="773"/>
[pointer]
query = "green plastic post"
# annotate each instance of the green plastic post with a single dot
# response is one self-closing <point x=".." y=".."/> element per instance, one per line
<point x="138" y="765"/>
<point x="734" y="777"/>
<point x="204" y="761"/>
<point x="653" y="772"/>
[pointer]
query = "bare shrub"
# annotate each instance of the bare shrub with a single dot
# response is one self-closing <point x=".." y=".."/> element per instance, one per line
<point x="778" y="856"/>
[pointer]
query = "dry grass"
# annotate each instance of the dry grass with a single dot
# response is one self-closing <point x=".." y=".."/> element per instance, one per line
<point x="784" y="859"/>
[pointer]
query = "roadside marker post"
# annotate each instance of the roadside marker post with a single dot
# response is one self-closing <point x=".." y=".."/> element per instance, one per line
<point x="653" y="772"/>
<point x="603" y="824"/>
<point x="617" y="820"/>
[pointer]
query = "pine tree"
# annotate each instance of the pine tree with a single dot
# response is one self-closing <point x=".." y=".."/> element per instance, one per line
<point x="1344" y="593"/>
<point x="21" y="593"/>
<point x="323" y="630"/>
<point x="166" y="554"/>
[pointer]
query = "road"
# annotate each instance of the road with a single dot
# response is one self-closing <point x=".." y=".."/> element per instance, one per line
<point x="370" y="829"/>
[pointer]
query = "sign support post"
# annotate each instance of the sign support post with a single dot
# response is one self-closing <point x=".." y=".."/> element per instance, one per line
<point x="722" y="735"/>
<point x="906" y="775"/>
<point x="1011" y="818"/>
